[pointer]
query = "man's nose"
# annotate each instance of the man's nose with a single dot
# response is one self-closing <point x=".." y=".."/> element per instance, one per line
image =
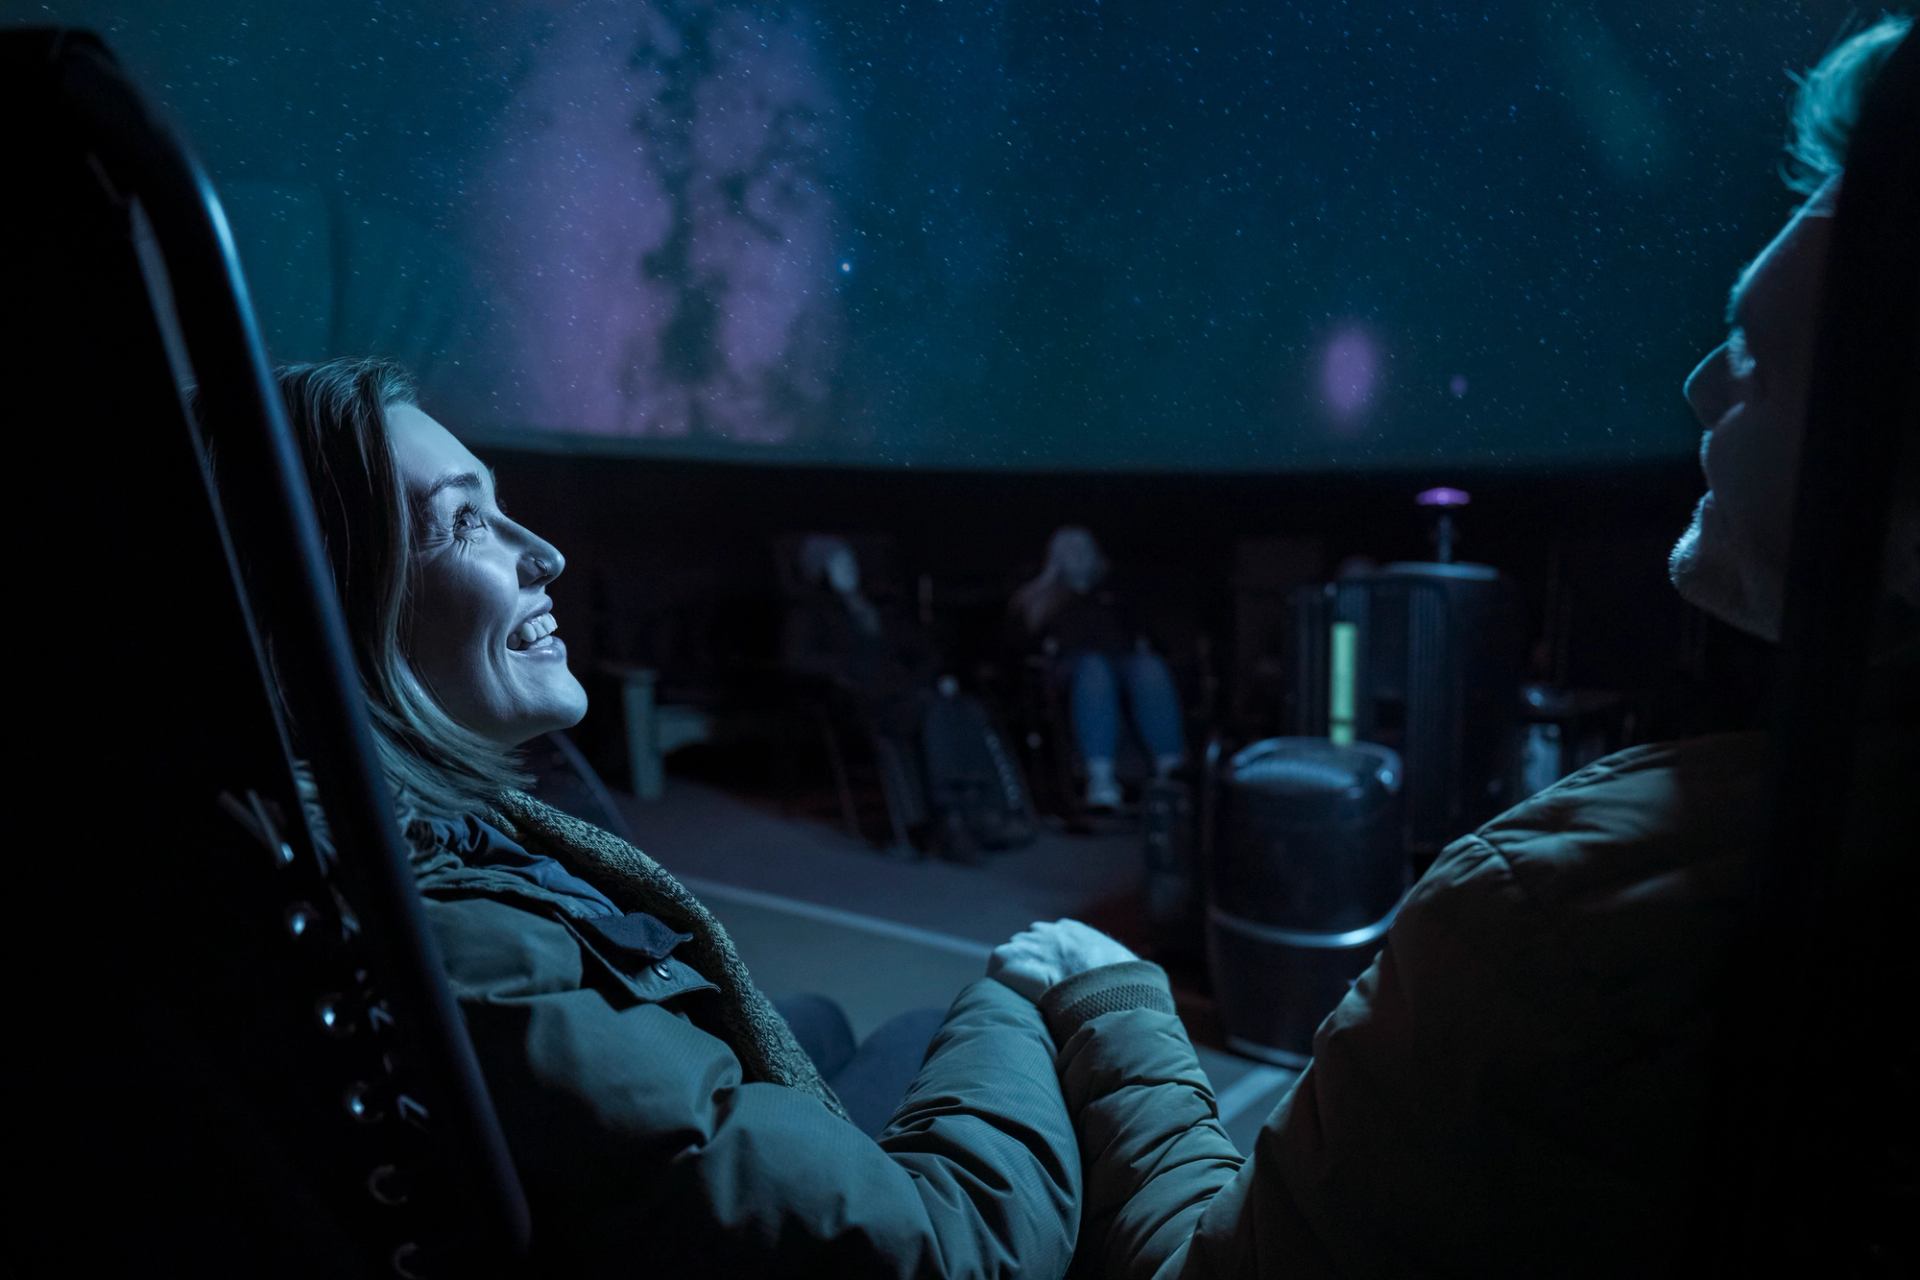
<point x="1706" y="387"/>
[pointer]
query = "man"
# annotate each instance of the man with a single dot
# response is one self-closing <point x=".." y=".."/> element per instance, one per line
<point x="1520" y="1084"/>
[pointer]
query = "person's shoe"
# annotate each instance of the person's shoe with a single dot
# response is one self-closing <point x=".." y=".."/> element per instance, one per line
<point x="1103" y="793"/>
<point x="1103" y="788"/>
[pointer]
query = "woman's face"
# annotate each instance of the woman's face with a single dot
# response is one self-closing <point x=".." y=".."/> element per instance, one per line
<point x="479" y="629"/>
<point x="1078" y="559"/>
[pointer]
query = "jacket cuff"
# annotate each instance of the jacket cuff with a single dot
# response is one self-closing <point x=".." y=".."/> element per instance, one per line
<point x="1135" y="984"/>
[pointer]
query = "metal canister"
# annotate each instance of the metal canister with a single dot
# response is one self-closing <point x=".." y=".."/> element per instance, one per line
<point x="1308" y="866"/>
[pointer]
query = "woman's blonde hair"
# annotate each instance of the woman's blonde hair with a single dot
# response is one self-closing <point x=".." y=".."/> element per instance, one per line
<point x="1040" y="599"/>
<point x="338" y="412"/>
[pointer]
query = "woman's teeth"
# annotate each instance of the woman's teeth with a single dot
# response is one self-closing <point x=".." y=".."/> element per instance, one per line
<point x="532" y="631"/>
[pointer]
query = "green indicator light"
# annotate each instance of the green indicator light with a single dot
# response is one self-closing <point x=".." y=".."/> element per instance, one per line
<point x="1340" y="669"/>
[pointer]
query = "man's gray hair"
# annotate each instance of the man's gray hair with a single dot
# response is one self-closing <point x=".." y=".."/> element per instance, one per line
<point x="1827" y="106"/>
<point x="1825" y="111"/>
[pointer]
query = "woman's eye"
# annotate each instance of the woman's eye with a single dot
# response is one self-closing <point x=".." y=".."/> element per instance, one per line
<point x="467" y="519"/>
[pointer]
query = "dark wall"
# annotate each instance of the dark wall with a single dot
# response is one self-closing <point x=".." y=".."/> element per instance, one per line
<point x="672" y="565"/>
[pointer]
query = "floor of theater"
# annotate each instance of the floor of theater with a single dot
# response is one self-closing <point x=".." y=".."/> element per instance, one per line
<point x="814" y="910"/>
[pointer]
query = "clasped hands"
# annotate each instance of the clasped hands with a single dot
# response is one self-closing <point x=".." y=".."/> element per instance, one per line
<point x="1046" y="954"/>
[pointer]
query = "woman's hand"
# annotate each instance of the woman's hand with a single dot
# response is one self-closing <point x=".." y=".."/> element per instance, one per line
<point x="1045" y="954"/>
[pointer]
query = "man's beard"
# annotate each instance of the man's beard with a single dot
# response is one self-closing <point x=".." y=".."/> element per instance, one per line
<point x="1709" y="572"/>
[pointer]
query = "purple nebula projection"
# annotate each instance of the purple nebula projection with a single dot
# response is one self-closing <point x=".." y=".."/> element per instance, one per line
<point x="1458" y="385"/>
<point x="655" y="214"/>
<point x="1349" y="373"/>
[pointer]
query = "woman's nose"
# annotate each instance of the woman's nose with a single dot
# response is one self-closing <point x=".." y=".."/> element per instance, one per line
<point x="542" y="562"/>
<point x="1706" y="387"/>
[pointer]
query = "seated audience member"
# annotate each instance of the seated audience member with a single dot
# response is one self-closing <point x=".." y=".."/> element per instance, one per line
<point x="1522" y="1082"/>
<point x="662" y="1114"/>
<point x="956" y="774"/>
<point x="1097" y="654"/>
<point x="835" y="631"/>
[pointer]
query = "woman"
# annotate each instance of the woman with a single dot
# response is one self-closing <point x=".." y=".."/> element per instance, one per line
<point x="1097" y="654"/>
<point x="660" y="1111"/>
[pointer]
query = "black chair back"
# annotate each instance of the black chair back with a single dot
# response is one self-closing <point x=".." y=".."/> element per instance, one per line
<point x="250" y="1062"/>
<point x="1814" y="1168"/>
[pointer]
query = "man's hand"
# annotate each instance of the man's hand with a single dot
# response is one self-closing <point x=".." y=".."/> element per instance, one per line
<point x="1039" y="957"/>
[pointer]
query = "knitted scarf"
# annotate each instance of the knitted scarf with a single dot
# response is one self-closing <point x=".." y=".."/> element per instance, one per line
<point x="758" y="1035"/>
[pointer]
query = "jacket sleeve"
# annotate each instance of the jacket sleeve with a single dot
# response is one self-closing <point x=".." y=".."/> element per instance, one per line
<point x="1413" y="1140"/>
<point x="643" y="1152"/>
<point x="1368" y="1165"/>
<point x="1151" y="1141"/>
<point x="1433" y="1115"/>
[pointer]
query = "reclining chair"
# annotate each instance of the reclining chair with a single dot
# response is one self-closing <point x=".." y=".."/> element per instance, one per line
<point x="251" y="1062"/>
<point x="1818" y="1141"/>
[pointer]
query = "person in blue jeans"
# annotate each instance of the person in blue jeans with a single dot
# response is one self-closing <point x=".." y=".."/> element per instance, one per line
<point x="1104" y="662"/>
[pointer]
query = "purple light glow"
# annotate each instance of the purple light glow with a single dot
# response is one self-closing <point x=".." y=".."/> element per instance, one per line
<point x="1442" y="496"/>
<point x="1458" y="385"/>
<point x="1349" y="370"/>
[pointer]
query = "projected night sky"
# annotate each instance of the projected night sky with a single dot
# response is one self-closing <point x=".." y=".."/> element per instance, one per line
<point x="656" y="202"/>
<point x="1072" y="234"/>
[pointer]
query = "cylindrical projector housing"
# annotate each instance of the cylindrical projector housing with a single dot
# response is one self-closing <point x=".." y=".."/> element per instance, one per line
<point x="1308" y="869"/>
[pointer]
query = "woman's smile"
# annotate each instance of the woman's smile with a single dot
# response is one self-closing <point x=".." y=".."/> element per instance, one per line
<point x="483" y="633"/>
<point x="548" y="645"/>
<point x="535" y="633"/>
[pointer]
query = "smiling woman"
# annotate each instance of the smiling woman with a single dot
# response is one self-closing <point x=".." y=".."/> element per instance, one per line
<point x="445" y="715"/>
<point x="480" y="632"/>
<point x="655" y="1102"/>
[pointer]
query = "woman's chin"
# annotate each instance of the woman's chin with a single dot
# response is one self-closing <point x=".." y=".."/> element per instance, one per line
<point x="560" y="709"/>
<point x="569" y="710"/>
